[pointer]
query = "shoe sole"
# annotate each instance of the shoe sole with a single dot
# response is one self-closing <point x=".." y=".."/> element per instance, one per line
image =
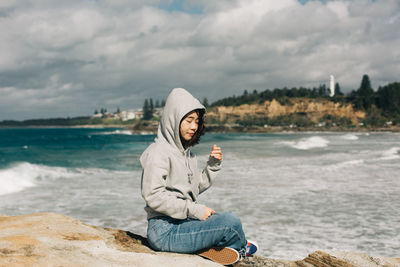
<point x="222" y="255"/>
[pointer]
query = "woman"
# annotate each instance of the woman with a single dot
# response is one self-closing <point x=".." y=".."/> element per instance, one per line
<point x="171" y="183"/>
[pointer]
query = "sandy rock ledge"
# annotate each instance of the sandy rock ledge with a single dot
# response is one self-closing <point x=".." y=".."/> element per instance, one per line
<point x="48" y="239"/>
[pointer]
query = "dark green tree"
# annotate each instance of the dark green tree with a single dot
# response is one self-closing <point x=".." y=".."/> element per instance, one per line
<point x="163" y="103"/>
<point x="365" y="87"/>
<point x="151" y="105"/>
<point x="337" y="89"/>
<point x="96" y="112"/>
<point x="157" y="104"/>
<point x="118" y="110"/>
<point x="322" y="91"/>
<point x="147" y="111"/>
<point x="292" y="92"/>
<point x="314" y="92"/>
<point x="364" y="94"/>
<point x="389" y="99"/>
<point x="205" y="102"/>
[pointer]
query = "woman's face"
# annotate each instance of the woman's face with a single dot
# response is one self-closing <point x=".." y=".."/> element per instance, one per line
<point x="189" y="125"/>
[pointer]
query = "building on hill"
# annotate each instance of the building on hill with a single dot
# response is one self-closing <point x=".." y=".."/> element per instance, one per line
<point x="97" y="115"/>
<point x="131" y="114"/>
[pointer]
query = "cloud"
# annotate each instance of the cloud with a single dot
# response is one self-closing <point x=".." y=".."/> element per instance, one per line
<point x="72" y="57"/>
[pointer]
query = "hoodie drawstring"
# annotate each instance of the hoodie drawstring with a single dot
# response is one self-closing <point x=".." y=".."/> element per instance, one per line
<point x="187" y="163"/>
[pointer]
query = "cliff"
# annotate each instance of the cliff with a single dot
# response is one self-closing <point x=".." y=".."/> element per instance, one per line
<point x="314" y="109"/>
<point x="48" y="239"/>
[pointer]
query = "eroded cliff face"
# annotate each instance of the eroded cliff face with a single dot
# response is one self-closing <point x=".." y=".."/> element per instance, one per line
<point x="312" y="108"/>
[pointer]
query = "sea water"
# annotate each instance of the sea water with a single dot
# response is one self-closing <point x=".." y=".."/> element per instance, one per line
<point x="294" y="192"/>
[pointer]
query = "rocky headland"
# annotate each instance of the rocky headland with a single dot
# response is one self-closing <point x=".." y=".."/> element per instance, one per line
<point x="49" y="239"/>
<point x="314" y="109"/>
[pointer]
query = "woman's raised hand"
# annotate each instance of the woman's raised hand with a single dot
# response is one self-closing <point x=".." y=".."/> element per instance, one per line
<point x="207" y="213"/>
<point x="216" y="152"/>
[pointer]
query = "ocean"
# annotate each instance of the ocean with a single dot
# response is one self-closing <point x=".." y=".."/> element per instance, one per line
<point x="294" y="192"/>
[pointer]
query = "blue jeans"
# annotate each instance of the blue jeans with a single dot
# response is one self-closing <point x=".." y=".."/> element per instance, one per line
<point x="222" y="229"/>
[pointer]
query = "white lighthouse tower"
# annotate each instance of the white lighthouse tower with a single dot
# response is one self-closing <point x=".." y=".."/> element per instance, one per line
<point x="332" y="86"/>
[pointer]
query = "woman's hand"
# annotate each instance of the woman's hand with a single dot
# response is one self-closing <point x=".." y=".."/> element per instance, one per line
<point x="216" y="152"/>
<point x="207" y="213"/>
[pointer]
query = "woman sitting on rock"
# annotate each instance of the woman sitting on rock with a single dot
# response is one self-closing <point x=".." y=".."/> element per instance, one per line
<point x="171" y="183"/>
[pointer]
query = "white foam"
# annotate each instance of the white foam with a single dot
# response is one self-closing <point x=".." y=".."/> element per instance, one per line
<point x="146" y="133"/>
<point x="24" y="175"/>
<point x="344" y="164"/>
<point x="350" y="137"/>
<point x="392" y="153"/>
<point x="124" y="132"/>
<point x="308" y="143"/>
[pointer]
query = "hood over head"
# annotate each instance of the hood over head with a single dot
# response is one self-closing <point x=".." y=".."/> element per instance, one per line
<point x="179" y="103"/>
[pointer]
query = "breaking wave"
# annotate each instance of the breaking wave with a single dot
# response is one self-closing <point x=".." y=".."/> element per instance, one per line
<point x="350" y="137"/>
<point x="24" y="175"/>
<point x="124" y="132"/>
<point x="308" y="143"/>
<point x="392" y="153"/>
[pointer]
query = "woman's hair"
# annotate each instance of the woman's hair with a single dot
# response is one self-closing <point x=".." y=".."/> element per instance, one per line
<point x="200" y="130"/>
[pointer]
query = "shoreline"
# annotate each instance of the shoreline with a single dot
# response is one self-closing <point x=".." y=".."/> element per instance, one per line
<point x="218" y="129"/>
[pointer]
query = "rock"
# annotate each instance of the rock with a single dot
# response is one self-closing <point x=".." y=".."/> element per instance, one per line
<point x="48" y="239"/>
<point x="323" y="259"/>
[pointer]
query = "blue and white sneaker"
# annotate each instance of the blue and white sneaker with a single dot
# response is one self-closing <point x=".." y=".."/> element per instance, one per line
<point x="251" y="248"/>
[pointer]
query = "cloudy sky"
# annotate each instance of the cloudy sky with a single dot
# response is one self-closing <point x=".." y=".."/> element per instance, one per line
<point x="68" y="58"/>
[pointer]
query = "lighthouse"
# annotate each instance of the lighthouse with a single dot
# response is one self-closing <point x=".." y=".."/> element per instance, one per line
<point x="332" y="86"/>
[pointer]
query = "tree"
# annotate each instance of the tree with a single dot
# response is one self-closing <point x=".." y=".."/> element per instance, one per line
<point x="389" y="98"/>
<point x="322" y="90"/>
<point x="151" y="105"/>
<point x="147" y="112"/>
<point x="365" y="94"/>
<point x="365" y="87"/>
<point x="163" y="103"/>
<point x="118" y="110"/>
<point x="292" y="92"/>
<point x="314" y="92"/>
<point x="205" y="102"/>
<point x="337" y="89"/>
<point x="157" y="105"/>
<point x="96" y="112"/>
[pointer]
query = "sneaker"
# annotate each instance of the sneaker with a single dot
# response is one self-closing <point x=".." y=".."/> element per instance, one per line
<point x="222" y="255"/>
<point x="251" y="248"/>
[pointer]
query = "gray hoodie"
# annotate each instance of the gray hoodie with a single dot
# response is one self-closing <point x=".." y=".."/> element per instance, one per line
<point x="171" y="181"/>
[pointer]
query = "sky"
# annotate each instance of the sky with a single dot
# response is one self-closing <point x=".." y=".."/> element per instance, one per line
<point x="69" y="58"/>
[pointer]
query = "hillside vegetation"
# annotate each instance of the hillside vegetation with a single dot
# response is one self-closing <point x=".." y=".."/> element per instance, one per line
<point x="302" y="107"/>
